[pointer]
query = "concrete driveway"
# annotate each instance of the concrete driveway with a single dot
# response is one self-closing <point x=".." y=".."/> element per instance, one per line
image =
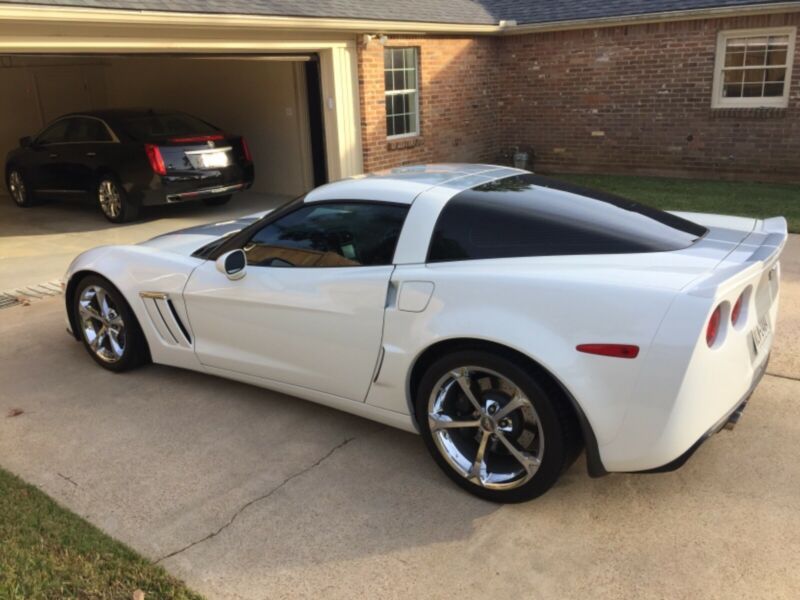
<point x="246" y="493"/>
<point x="38" y="243"/>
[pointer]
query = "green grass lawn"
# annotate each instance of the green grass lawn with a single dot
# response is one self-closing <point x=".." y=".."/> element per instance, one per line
<point x="48" y="552"/>
<point x="724" y="197"/>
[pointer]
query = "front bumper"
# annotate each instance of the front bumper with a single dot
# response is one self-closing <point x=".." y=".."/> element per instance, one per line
<point x="728" y="421"/>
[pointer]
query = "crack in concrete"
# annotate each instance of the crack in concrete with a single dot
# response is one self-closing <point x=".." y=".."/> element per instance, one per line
<point x="65" y="478"/>
<point x="264" y="496"/>
<point x="790" y="378"/>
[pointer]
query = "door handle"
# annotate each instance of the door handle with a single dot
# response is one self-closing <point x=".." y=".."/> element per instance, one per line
<point x="91" y="154"/>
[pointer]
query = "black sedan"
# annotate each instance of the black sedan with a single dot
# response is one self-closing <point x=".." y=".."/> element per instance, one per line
<point x="125" y="159"/>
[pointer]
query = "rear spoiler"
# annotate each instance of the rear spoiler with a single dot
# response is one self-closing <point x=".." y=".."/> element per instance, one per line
<point x="767" y="238"/>
<point x="778" y="232"/>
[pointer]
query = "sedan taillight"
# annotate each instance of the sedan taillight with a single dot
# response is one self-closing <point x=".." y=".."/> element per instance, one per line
<point x="246" y="150"/>
<point x="155" y="158"/>
<point x="713" y="326"/>
<point x="197" y="139"/>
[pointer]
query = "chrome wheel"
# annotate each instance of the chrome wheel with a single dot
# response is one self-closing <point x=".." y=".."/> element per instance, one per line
<point x="17" y="187"/>
<point x="110" y="199"/>
<point x="102" y="325"/>
<point x="486" y="428"/>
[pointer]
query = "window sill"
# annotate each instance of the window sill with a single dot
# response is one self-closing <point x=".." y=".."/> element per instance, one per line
<point x="744" y="112"/>
<point x="401" y="143"/>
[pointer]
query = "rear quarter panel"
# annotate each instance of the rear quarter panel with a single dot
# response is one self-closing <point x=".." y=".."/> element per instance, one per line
<point x="543" y="310"/>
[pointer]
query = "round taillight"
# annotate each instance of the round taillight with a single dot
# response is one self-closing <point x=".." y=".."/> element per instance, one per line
<point x="737" y="309"/>
<point x="713" y="326"/>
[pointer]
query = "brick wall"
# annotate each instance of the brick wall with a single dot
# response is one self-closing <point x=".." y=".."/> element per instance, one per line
<point x="458" y="87"/>
<point x="633" y="99"/>
<point x="638" y="100"/>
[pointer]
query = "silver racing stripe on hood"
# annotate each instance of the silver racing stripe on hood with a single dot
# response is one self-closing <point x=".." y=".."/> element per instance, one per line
<point x="214" y="229"/>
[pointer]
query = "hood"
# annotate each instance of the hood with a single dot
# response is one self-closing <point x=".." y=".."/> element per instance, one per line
<point x="187" y="241"/>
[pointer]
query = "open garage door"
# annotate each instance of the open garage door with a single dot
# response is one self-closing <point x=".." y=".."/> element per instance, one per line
<point x="272" y="100"/>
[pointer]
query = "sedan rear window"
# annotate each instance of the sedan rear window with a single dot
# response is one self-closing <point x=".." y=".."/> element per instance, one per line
<point x="529" y="215"/>
<point x="156" y="126"/>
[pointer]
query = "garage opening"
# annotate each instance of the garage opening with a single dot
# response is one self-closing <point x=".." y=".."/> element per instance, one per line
<point x="274" y="101"/>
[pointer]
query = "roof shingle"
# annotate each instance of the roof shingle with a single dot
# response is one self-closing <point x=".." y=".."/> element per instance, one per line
<point x="473" y="12"/>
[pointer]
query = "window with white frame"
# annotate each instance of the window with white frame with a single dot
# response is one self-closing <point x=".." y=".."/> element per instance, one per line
<point x="402" y="94"/>
<point x="753" y="68"/>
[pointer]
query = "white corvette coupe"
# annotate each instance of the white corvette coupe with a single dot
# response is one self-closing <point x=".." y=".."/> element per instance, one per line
<point x="510" y="319"/>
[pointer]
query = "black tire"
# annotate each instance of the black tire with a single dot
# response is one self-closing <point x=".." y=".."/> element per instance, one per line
<point x="135" y="351"/>
<point x="113" y="200"/>
<point x="18" y="188"/>
<point x="217" y="200"/>
<point x="562" y="442"/>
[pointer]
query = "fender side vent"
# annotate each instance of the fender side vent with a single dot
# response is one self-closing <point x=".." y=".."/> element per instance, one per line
<point x="165" y="319"/>
<point x="178" y="321"/>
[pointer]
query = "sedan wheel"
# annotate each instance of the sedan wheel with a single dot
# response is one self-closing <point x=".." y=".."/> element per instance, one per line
<point x="114" y="201"/>
<point x="102" y="325"/>
<point x="110" y="199"/>
<point x="16" y="185"/>
<point x="494" y="439"/>
<point x="493" y="427"/>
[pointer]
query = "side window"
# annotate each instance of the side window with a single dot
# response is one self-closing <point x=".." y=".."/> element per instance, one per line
<point x="55" y="134"/>
<point x="88" y="130"/>
<point x="341" y="234"/>
<point x="529" y="215"/>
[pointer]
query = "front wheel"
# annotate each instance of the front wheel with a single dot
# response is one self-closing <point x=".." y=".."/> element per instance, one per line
<point x="109" y="329"/>
<point x="19" y="191"/>
<point x="114" y="202"/>
<point x="493" y="428"/>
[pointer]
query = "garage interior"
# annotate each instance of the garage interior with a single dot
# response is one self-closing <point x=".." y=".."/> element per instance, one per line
<point x="272" y="100"/>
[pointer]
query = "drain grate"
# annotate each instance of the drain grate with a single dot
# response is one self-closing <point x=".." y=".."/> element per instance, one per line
<point x="7" y="301"/>
<point x="32" y="292"/>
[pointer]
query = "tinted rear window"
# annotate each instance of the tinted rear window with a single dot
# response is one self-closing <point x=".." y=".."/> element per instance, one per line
<point x="529" y="215"/>
<point x="147" y="127"/>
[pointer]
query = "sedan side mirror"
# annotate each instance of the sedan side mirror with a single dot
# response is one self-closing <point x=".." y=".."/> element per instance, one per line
<point x="26" y="141"/>
<point x="233" y="264"/>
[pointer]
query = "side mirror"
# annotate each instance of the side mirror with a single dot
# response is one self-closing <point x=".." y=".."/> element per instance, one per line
<point x="233" y="264"/>
<point x="26" y="141"/>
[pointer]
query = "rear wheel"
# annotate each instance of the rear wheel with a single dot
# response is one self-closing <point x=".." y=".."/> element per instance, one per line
<point x="217" y="200"/>
<point x="107" y="325"/>
<point x="493" y="428"/>
<point x="17" y="188"/>
<point x="114" y="202"/>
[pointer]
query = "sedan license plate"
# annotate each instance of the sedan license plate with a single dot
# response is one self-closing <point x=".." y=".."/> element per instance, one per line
<point x="760" y="333"/>
<point x="214" y="160"/>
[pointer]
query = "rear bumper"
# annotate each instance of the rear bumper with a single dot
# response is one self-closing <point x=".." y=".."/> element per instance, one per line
<point x="206" y="193"/>
<point x="728" y="421"/>
<point x="190" y="186"/>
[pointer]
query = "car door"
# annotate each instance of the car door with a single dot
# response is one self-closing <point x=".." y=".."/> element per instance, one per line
<point x="45" y="170"/>
<point x="309" y="311"/>
<point x="89" y="140"/>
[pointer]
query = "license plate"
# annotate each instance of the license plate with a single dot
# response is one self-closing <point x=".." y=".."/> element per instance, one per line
<point x="213" y="160"/>
<point x="760" y="333"/>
